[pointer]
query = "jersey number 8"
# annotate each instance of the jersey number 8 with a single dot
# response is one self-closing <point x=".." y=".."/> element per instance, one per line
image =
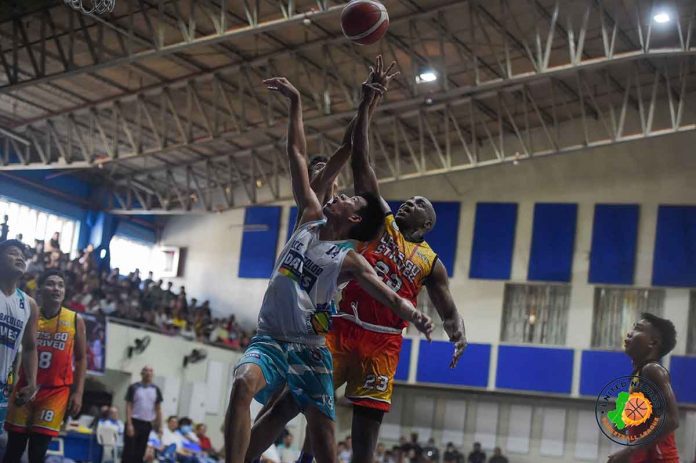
<point x="45" y="359"/>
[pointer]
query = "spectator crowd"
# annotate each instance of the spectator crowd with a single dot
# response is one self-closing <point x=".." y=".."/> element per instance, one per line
<point x="411" y="451"/>
<point x="131" y="297"/>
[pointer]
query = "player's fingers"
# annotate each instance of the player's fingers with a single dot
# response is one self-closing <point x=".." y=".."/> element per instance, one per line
<point x="391" y="66"/>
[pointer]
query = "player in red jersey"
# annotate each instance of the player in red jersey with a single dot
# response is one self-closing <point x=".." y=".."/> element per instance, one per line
<point x="61" y="346"/>
<point x="651" y="339"/>
<point x="365" y="339"/>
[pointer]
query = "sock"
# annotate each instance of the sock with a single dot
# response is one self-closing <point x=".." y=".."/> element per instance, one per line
<point x="305" y="458"/>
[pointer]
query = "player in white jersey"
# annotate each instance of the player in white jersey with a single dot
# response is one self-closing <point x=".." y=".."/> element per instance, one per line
<point x="298" y="304"/>
<point x="18" y="323"/>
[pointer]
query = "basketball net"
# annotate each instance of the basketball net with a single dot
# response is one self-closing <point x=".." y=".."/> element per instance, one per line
<point x="92" y="6"/>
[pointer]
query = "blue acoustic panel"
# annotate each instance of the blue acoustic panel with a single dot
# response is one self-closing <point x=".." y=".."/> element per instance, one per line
<point x="535" y="369"/>
<point x="472" y="369"/>
<point x="553" y="242"/>
<point x="404" y="366"/>
<point x="394" y="205"/>
<point x="614" y="238"/>
<point x="443" y="238"/>
<point x="494" y="241"/>
<point x="598" y="368"/>
<point x="292" y="220"/>
<point x="258" y="254"/>
<point x="683" y="372"/>
<point x="674" y="262"/>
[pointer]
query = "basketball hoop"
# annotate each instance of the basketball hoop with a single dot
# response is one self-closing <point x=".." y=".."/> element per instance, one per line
<point x="92" y="6"/>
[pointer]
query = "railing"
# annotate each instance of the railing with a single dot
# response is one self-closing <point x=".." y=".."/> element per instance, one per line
<point x="154" y="329"/>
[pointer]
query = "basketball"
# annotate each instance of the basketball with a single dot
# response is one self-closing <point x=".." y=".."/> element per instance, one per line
<point x="364" y="21"/>
<point x="637" y="410"/>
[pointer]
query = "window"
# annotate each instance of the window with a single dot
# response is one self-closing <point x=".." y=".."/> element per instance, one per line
<point x="34" y="224"/>
<point x="535" y="314"/>
<point x="128" y="255"/>
<point x="691" y="340"/>
<point x="617" y="309"/>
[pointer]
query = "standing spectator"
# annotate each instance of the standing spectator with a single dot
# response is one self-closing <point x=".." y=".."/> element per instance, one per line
<point x="168" y="295"/>
<point x="54" y="243"/>
<point x="476" y="455"/>
<point x="412" y="449"/>
<point x="143" y="412"/>
<point x="148" y="281"/>
<point x="498" y="456"/>
<point x="431" y="452"/>
<point x="4" y="228"/>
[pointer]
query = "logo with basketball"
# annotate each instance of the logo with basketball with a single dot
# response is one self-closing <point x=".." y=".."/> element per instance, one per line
<point x="630" y="410"/>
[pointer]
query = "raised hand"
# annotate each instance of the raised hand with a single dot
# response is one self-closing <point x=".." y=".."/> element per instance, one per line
<point x="459" y="340"/>
<point x="382" y="76"/>
<point x="282" y="86"/>
<point x="424" y="324"/>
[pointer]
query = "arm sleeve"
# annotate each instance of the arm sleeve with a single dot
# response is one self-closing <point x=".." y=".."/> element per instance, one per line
<point x="130" y="393"/>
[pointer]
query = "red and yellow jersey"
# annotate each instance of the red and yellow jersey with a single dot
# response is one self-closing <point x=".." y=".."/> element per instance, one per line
<point x="402" y="264"/>
<point x="55" y="340"/>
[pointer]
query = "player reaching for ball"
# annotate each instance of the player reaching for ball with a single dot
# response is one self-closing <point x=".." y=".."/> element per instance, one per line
<point x="61" y="345"/>
<point x="365" y="339"/>
<point x="299" y="301"/>
<point x="651" y="339"/>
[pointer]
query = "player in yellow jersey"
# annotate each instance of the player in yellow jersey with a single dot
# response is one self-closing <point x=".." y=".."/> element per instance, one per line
<point x="61" y="346"/>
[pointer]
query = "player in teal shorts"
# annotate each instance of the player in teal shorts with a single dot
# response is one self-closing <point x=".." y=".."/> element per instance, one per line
<point x="299" y="301"/>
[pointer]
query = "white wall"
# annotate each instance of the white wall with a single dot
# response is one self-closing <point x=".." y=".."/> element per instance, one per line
<point x="165" y="354"/>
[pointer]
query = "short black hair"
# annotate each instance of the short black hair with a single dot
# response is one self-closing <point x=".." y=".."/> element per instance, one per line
<point x="17" y="244"/>
<point x="316" y="160"/>
<point x="185" y="421"/>
<point x="172" y="417"/>
<point x="372" y="219"/>
<point x="50" y="273"/>
<point x="668" y="334"/>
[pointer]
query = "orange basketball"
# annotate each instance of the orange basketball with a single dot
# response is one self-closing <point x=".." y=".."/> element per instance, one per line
<point x="364" y="21"/>
<point x="637" y="410"/>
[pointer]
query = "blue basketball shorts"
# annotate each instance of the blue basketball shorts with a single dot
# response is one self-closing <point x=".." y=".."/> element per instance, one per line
<point x="307" y="371"/>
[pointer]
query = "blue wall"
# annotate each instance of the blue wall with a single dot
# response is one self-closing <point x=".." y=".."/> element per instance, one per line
<point x="494" y="241"/>
<point x="553" y="242"/>
<point x="258" y="253"/>
<point x="614" y="242"/>
<point x="538" y="369"/>
<point x="472" y="370"/>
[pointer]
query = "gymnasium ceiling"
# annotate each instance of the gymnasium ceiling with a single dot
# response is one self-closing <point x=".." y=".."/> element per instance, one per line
<point x="162" y="102"/>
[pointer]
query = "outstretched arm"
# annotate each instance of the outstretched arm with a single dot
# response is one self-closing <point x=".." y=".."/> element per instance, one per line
<point x="323" y="182"/>
<point x="364" y="177"/>
<point x="438" y="290"/>
<point x="306" y="199"/>
<point x="357" y="268"/>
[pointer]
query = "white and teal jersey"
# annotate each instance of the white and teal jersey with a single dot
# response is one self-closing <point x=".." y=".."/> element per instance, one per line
<point x="14" y="314"/>
<point x="299" y="301"/>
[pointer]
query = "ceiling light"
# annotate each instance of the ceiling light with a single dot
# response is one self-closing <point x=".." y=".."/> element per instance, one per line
<point x="427" y="76"/>
<point x="259" y="183"/>
<point x="662" y="17"/>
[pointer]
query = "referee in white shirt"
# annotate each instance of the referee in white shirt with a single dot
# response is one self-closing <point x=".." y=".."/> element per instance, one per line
<point x="143" y="412"/>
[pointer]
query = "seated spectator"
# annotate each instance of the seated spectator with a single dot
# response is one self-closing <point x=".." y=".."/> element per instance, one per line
<point x="452" y="455"/>
<point x="498" y="456"/>
<point x="172" y="436"/>
<point x="430" y="452"/>
<point x="287" y="454"/>
<point x="380" y="453"/>
<point x="179" y="320"/>
<point x="204" y="441"/>
<point x="344" y="455"/>
<point x="477" y="455"/>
